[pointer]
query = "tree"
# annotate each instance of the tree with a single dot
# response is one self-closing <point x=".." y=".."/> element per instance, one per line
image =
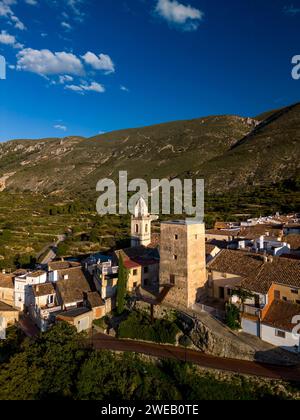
<point x="243" y="295"/>
<point x="233" y="320"/>
<point x="121" y="286"/>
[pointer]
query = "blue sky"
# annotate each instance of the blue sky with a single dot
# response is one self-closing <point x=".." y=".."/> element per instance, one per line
<point x="82" y="67"/>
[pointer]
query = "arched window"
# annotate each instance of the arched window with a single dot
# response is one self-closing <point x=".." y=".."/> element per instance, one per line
<point x="146" y="228"/>
<point x="136" y="228"/>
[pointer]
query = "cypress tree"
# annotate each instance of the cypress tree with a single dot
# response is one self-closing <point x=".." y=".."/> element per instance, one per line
<point x="121" y="287"/>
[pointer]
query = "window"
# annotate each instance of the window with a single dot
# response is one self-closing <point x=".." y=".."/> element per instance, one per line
<point x="50" y="299"/>
<point x="280" y="334"/>
<point x="135" y="285"/>
<point x="294" y="291"/>
<point x="172" y="279"/>
<point x="277" y="294"/>
<point x="175" y="257"/>
<point x="135" y="272"/>
<point x="136" y="228"/>
<point x="146" y="270"/>
<point x="284" y="299"/>
<point x="196" y="237"/>
<point x="176" y="237"/>
<point x="146" y="228"/>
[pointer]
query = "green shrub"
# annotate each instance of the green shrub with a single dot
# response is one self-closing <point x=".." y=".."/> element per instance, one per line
<point x="138" y="326"/>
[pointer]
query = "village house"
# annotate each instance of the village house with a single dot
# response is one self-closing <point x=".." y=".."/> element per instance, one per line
<point x="71" y="285"/>
<point x="228" y="269"/>
<point x="278" y="328"/>
<point x="8" y="317"/>
<point x="105" y="275"/>
<point x="80" y="318"/>
<point x="269" y="280"/>
<point x="7" y="289"/>
<point x="96" y="304"/>
<point x="43" y="305"/>
<point x="55" y="268"/>
<point x="142" y="265"/>
<point x="23" y="282"/>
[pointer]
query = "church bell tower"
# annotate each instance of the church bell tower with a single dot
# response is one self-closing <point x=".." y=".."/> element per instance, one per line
<point x="141" y="225"/>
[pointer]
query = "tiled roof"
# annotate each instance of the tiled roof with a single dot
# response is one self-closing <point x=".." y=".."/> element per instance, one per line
<point x="283" y="271"/>
<point x="232" y="233"/>
<point x="43" y="289"/>
<point x="294" y="241"/>
<point x="253" y="232"/>
<point x="7" y="308"/>
<point x="73" y="313"/>
<point x="6" y="281"/>
<point x="95" y="300"/>
<point x="71" y="289"/>
<point x="238" y="263"/>
<point x="62" y="265"/>
<point x="131" y="264"/>
<point x="155" y="240"/>
<point x="140" y="252"/>
<point x="257" y="275"/>
<point x="36" y="273"/>
<point x="281" y="314"/>
<point x="209" y="248"/>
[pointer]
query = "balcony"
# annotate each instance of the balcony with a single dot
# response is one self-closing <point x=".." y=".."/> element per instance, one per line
<point x="251" y="310"/>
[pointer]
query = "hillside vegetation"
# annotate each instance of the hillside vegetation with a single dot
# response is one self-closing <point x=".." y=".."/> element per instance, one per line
<point x="230" y="152"/>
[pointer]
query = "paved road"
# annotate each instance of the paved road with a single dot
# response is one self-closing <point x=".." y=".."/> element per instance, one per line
<point x="101" y="341"/>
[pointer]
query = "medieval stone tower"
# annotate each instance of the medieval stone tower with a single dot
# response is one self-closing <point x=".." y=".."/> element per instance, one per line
<point x="183" y="262"/>
<point x="141" y="225"/>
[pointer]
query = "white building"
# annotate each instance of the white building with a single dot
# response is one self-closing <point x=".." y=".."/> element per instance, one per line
<point x="22" y="287"/>
<point x="272" y="246"/>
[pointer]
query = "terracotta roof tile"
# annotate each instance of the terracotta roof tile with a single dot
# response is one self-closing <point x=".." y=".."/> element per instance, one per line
<point x="281" y="314"/>
<point x="43" y="289"/>
<point x="62" y="265"/>
<point x="6" y="281"/>
<point x="239" y="263"/>
<point x="71" y="289"/>
<point x="294" y="241"/>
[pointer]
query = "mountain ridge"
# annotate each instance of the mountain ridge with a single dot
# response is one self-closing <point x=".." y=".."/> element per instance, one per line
<point x="229" y="151"/>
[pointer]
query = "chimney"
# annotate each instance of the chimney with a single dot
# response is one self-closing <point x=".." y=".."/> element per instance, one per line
<point x="262" y="243"/>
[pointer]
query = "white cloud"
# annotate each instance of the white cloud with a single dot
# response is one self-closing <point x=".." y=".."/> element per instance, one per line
<point x="60" y="127"/>
<point x="177" y="13"/>
<point x="31" y="2"/>
<point x="85" y="87"/>
<point x="7" y="13"/>
<point x="7" y="39"/>
<point x="46" y="62"/>
<point x="124" y="88"/>
<point x="66" y="26"/>
<point x="65" y="79"/>
<point x="101" y="62"/>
